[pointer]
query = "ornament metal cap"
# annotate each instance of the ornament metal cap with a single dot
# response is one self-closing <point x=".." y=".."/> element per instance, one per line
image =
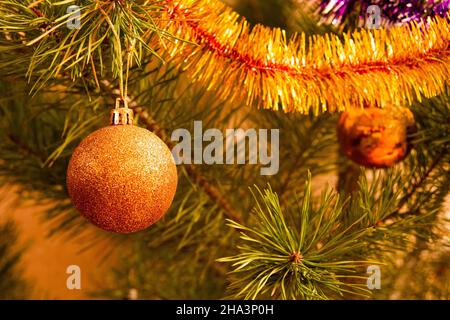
<point x="122" y="115"/>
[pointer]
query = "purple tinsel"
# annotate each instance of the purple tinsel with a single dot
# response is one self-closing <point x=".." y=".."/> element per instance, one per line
<point x="392" y="11"/>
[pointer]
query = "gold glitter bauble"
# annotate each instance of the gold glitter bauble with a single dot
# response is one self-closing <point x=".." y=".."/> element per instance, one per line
<point x="122" y="178"/>
<point x="376" y="137"/>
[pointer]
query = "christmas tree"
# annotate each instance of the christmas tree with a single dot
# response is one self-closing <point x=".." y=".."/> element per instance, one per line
<point x="256" y="149"/>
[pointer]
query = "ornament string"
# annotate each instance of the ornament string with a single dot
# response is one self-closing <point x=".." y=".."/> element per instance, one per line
<point x="128" y="66"/>
<point x="124" y="91"/>
<point x="122" y="83"/>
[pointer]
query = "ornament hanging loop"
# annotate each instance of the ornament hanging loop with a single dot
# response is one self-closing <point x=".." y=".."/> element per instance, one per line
<point x="125" y="103"/>
<point x="121" y="115"/>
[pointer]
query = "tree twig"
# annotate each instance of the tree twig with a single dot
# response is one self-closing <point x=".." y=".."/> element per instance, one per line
<point x="416" y="186"/>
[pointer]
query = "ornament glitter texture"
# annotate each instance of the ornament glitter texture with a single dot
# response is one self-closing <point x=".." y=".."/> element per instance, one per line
<point x="376" y="137"/>
<point x="122" y="178"/>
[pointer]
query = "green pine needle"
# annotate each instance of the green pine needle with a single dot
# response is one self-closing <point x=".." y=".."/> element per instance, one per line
<point x="301" y="253"/>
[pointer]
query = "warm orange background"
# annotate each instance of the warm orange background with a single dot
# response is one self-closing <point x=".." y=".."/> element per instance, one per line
<point x="46" y="259"/>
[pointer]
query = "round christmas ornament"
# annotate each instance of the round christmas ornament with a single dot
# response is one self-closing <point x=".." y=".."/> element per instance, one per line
<point x="122" y="178"/>
<point x="374" y="137"/>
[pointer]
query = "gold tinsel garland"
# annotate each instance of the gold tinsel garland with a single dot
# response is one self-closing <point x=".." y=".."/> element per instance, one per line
<point x="262" y="66"/>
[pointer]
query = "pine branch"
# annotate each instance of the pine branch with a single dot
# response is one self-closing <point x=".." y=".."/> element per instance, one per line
<point x="404" y="200"/>
<point x="300" y="253"/>
<point x="124" y="28"/>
